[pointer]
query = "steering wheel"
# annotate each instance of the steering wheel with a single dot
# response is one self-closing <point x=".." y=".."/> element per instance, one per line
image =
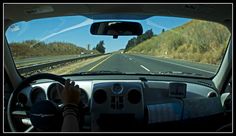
<point x="11" y="107"/>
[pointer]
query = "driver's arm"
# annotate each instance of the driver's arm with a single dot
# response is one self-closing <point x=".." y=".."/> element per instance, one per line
<point x="70" y="96"/>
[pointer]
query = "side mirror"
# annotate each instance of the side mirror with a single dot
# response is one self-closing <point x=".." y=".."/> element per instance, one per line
<point x="116" y="28"/>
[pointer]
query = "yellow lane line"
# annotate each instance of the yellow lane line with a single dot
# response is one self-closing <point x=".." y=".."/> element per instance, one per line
<point x="100" y="63"/>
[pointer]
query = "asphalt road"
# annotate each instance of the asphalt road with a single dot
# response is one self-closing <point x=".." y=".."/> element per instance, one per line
<point x="147" y="64"/>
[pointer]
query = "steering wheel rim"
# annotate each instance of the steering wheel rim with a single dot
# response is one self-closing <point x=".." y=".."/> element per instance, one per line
<point x="12" y="99"/>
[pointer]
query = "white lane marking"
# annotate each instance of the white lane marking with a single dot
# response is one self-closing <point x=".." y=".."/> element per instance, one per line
<point x="100" y="63"/>
<point x="190" y="67"/>
<point x="145" y="68"/>
<point x="130" y="58"/>
<point x="185" y="66"/>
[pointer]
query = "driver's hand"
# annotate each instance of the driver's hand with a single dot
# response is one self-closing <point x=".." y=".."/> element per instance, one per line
<point x="70" y="94"/>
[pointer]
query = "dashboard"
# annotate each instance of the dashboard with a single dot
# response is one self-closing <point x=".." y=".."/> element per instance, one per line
<point x="121" y="104"/>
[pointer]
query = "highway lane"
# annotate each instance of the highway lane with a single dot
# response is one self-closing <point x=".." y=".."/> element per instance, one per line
<point x="155" y="64"/>
<point x="198" y="66"/>
<point x="114" y="62"/>
<point x="147" y="64"/>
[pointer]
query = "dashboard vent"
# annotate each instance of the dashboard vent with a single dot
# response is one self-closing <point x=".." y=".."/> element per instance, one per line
<point x="100" y="96"/>
<point x="134" y="96"/>
<point x="212" y="94"/>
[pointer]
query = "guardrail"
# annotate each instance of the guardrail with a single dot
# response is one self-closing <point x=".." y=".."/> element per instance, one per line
<point x="51" y="64"/>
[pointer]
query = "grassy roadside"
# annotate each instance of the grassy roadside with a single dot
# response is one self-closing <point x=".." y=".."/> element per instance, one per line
<point x="73" y="67"/>
<point x="33" y="48"/>
<point x="196" y="41"/>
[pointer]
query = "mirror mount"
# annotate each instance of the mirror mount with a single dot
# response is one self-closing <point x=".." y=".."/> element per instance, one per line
<point x="115" y="36"/>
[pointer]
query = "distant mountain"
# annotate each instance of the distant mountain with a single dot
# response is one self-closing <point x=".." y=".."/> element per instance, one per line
<point x="198" y="41"/>
<point x="26" y="50"/>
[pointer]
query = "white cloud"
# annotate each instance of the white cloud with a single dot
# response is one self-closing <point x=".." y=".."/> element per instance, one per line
<point x="84" y="23"/>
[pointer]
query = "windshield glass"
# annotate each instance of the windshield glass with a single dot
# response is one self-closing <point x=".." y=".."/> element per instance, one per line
<point x="168" y="45"/>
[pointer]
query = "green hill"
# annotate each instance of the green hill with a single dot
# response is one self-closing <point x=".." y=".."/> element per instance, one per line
<point x="198" y="41"/>
<point x="25" y="49"/>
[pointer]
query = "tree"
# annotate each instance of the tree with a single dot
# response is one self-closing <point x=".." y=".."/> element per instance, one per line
<point x="163" y="30"/>
<point x="149" y="34"/>
<point x="131" y="43"/>
<point x="100" y="47"/>
<point x="135" y="41"/>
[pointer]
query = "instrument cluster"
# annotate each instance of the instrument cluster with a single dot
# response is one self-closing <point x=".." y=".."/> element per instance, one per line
<point x="31" y="95"/>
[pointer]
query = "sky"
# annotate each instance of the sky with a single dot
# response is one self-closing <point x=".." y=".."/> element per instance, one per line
<point x="76" y="30"/>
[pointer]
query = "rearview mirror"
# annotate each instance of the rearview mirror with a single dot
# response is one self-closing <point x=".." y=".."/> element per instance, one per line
<point x="116" y="28"/>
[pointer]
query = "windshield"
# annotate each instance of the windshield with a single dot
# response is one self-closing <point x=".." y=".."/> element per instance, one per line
<point x="168" y="45"/>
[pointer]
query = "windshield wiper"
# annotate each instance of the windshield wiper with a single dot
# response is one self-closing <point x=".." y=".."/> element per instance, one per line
<point x="177" y="73"/>
<point x="100" y="72"/>
<point x="107" y="72"/>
